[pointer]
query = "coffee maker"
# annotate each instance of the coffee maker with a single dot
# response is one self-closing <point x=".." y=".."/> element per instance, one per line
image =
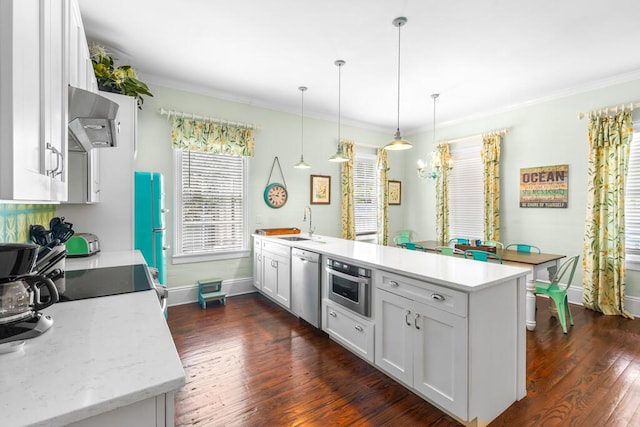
<point x="20" y="296"/>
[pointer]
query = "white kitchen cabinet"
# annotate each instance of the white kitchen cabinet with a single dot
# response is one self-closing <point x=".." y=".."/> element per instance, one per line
<point x="33" y="102"/>
<point x="349" y="329"/>
<point x="81" y="73"/>
<point x="423" y="347"/>
<point x="276" y="276"/>
<point x="257" y="263"/>
<point x="155" y="411"/>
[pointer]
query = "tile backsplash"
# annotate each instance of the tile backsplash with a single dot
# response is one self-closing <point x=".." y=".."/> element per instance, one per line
<point x="16" y="219"/>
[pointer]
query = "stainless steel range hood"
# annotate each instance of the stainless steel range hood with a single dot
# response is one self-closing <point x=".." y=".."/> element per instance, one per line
<point x="92" y="120"/>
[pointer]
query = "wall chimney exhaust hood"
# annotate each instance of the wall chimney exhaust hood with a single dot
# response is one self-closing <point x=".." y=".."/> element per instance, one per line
<point x="92" y="121"/>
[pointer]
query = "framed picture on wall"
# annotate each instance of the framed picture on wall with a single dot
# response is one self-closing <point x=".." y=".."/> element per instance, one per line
<point x="395" y="192"/>
<point x="320" y="189"/>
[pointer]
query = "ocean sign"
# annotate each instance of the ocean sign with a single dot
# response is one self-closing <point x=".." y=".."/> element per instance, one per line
<point x="544" y="187"/>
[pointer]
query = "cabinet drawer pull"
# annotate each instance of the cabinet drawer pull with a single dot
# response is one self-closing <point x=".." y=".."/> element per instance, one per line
<point x="333" y="314"/>
<point x="274" y="264"/>
<point x="393" y="284"/>
<point x="415" y="321"/>
<point x="437" y="297"/>
<point x="359" y="328"/>
<point x="406" y="318"/>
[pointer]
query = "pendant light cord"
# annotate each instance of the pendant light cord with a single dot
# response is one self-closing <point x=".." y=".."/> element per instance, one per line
<point x="398" y="120"/>
<point x="302" y="124"/>
<point x="339" y="92"/>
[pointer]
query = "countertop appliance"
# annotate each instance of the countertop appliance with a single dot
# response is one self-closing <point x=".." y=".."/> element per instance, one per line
<point x="350" y="286"/>
<point x="305" y="281"/>
<point x="82" y="244"/>
<point x="20" y="296"/>
<point x="149" y="227"/>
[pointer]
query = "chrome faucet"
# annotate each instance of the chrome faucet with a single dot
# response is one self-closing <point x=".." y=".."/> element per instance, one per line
<point x="308" y="210"/>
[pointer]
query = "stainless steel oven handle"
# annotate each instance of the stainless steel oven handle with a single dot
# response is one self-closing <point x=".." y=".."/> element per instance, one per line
<point x="347" y="276"/>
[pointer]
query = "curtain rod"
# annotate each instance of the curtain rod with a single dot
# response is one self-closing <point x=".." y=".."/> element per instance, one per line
<point x="170" y="113"/>
<point x="604" y="111"/>
<point x="358" y="144"/>
<point x="499" y="132"/>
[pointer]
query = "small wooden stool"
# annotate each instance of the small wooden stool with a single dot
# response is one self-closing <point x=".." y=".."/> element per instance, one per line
<point x="210" y="290"/>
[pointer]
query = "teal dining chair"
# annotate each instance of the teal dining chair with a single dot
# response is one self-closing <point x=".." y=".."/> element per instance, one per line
<point x="448" y="250"/>
<point x="459" y="240"/>
<point x="414" y="246"/>
<point x="521" y="247"/>
<point x="402" y="236"/>
<point x="557" y="291"/>
<point x="482" y="255"/>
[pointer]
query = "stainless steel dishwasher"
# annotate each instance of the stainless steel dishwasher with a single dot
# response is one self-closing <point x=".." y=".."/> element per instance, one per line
<point x="305" y="285"/>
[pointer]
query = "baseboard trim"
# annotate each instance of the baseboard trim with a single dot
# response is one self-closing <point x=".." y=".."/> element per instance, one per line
<point x="189" y="293"/>
<point x="631" y="303"/>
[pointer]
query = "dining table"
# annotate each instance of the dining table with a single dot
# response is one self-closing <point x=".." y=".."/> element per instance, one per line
<point x="543" y="266"/>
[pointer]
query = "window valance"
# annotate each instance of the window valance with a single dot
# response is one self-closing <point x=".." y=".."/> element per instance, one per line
<point x="217" y="138"/>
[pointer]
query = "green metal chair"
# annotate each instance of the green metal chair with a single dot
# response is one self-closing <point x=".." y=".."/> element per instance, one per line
<point x="459" y="240"/>
<point x="448" y="250"/>
<point x="414" y="246"/>
<point x="521" y="247"/>
<point x="557" y="291"/>
<point x="402" y="236"/>
<point x="494" y="243"/>
<point x="482" y="255"/>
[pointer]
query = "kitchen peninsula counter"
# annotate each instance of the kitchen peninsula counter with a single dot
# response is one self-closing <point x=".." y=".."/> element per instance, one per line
<point x="102" y="356"/>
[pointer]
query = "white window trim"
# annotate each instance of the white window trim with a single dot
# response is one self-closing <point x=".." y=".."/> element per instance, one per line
<point x="369" y="236"/>
<point x="177" y="224"/>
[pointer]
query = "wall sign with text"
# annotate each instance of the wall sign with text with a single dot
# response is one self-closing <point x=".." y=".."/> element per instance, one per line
<point x="544" y="187"/>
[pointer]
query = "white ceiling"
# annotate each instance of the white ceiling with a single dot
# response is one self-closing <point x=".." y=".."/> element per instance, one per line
<point x="482" y="56"/>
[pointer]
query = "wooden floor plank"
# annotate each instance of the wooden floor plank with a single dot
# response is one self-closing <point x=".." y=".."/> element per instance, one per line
<point x="251" y="363"/>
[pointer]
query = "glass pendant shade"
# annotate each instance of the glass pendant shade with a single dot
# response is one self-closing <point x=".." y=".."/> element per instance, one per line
<point x="302" y="164"/>
<point x="398" y="142"/>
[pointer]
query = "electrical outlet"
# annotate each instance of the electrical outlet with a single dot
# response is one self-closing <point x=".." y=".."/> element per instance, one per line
<point x="259" y="220"/>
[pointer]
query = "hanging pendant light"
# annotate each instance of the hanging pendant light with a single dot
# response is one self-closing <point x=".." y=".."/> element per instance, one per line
<point x="398" y="143"/>
<point x="302" y="164"/>
<point x="339" y="157"/>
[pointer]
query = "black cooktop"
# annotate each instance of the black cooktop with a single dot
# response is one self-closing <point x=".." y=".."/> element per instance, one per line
<point x="99" y="282"/>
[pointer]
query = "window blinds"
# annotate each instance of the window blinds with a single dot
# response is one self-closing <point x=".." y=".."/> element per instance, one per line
<point x="212" y="203"/>
<point x="466" y="194"/>
<point x="632" y="200"/>
<point x="365" y="194"/>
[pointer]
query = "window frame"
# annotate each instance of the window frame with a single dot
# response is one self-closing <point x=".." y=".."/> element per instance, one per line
<point x="181" y="258"/>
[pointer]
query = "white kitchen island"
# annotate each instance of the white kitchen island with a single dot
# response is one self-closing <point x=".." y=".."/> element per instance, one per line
<point x="450" y="329"/>
<point x="105" y="361"/>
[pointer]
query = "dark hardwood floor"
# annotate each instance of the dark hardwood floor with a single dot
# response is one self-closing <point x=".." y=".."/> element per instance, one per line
<point x="251" y="363"/>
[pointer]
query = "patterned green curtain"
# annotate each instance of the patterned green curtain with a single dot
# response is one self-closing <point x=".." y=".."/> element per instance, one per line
<point x="442" y="157"/>
<point x="346" y="192"/>
<point x="603" y="274"/>
<point x="490" y="153"/>
<point x="383" y="197"/>
<point x="216" y="138"/>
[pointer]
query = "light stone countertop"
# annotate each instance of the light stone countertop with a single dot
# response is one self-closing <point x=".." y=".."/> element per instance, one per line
<point x="100" y="354"/>
<point x="466" y="275"/>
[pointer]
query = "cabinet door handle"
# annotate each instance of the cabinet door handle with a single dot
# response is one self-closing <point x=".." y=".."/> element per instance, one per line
<point x="259" y="257"/>
<point x="406" y="317"/>
<point x="415" y="321"/>
<point x="59" y="161"/>
<point x="437" y="297"/>
<point x="274" y="264"/>
<point x="393" y="283"/>
<point x="333" y="314"/>
<point x="359" y="328"/>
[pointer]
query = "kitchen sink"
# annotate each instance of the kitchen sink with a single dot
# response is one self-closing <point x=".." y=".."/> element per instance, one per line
<point x="293" y="238"/>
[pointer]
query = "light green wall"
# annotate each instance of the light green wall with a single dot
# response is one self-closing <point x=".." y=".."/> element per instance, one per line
<point x="278" y="135"/>
<point x="548" y="133"/>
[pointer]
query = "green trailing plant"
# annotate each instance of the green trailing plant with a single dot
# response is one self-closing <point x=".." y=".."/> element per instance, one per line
<point x="122" y="79"/>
